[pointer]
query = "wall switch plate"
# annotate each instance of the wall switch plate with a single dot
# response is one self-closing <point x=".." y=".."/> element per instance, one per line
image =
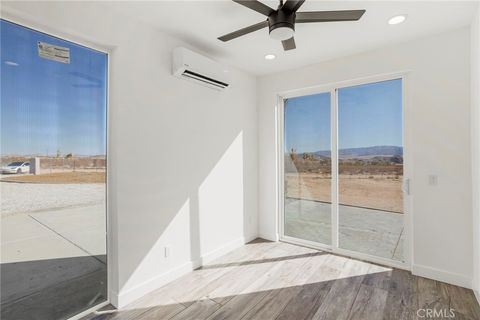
<point x="167" y="251"/>
<point x="432" y="180"/>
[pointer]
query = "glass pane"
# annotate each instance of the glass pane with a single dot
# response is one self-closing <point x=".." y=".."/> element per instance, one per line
<point x="371" y="169"/>
<point x="308" y="168"/>
<point x="53" y="215"/>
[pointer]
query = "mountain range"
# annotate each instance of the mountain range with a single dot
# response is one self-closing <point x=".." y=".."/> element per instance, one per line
<point x="363" y="152"/>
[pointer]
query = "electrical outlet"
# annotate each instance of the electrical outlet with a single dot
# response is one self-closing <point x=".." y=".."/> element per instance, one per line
<point x="432" y="180"/>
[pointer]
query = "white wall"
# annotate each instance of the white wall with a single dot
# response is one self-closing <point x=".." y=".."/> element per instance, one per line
<point x="475" y="91"/>
<point x="203" y="144"/>
<point x="199" y="193"/>
<point x="439" y="123"/>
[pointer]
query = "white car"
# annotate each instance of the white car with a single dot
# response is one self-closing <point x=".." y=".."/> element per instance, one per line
<point x="17" y="167"/>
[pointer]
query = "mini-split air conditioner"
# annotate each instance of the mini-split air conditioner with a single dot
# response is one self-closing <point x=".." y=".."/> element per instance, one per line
<point x="194" y="67"/>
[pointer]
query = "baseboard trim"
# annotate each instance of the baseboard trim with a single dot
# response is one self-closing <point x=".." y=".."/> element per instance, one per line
<point x="477" y="295"/>
<point x="269" y="237"/>
<point x="214" y="254"/>
<point x="125" y="297"/>
<point x="442" y="275"/>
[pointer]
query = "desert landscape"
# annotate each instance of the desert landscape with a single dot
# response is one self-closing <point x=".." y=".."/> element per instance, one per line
<point x="59" y="177"/>
<point x="63" y="182"/>
<point x="368" y="177"/>
<point x="370" y="199"/>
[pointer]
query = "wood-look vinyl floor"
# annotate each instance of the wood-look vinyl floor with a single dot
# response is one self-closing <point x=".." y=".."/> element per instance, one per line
<point x="273" y="280"/>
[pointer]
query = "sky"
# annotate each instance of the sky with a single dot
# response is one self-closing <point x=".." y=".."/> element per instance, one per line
<point x="368" y="115"/>
<point x="48" y="105"/>
<point x="307" y="123"/>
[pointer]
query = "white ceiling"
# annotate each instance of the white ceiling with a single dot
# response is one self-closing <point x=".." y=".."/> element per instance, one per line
<point x="201" y="22"/>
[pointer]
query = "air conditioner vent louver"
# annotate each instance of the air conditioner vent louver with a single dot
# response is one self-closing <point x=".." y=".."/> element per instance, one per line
<point x="199" y="69"/>
<point x="199" y="77"/>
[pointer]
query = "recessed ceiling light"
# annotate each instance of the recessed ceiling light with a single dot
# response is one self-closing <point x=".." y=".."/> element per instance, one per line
<point x="397" y="19"/>
<point x="270" y="56"/>
<point x="11" y="63"/>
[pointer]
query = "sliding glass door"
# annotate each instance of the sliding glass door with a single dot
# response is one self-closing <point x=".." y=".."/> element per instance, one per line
<point x="53" y="176"/>
<point x="308" y="174"/>
<point x="370" y="161"/>
<point x="343" y="169"/>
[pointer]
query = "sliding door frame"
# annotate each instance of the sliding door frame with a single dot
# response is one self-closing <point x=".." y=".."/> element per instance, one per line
<point x="29" y="22"/>
<point x="333" y="88"/>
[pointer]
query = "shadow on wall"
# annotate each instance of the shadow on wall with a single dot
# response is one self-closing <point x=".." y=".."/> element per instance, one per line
<point x="192" y="212"/>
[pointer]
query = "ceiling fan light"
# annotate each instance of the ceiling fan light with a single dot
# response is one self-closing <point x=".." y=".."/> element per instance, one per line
<point x="282" y="33"/>
<point x="397" y="19"/>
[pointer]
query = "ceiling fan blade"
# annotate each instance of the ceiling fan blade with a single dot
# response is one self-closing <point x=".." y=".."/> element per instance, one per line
<point x="329" y="16"/>
<point x="256" y="6"/>
<point x="244" y="31"/>
<point x="293" y="5"/>
<point x="288" y="44"/>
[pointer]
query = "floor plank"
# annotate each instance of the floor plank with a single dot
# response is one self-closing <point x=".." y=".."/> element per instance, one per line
<point x="274" y="280"/>
<point x="401" y="302"/>
<point x="369" y="304"/>
<point x="290" y="286"/>
<point x="161" y="312"/>
<point x="428" y="294"/>
<point x="199" y="310"/>
<point x="312" y="293"/>
<point x="339" y="301"/>
<point x="461" y="300"/>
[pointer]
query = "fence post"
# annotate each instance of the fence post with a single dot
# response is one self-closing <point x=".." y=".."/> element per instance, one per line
<point x="35" y="165"/>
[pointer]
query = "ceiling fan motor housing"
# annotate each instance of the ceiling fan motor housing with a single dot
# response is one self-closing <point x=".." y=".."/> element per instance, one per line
<point x="281" y="19"/>
<point x="281" y="22"/>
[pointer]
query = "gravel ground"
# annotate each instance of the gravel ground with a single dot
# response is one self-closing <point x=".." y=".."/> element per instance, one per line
<point x="29" y="197"/>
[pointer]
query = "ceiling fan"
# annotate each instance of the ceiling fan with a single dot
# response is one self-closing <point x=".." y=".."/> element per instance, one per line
<point x="281" y="22"/>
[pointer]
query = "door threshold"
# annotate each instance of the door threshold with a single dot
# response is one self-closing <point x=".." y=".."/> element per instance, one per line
<point x="347" y="253"/>
<point x="88" y="311"/>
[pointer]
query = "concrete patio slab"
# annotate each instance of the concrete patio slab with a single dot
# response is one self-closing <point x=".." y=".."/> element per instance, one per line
<point x="80" y="218"/>
<point x="51" y="246"/>
<point x="69" y="284"/>
<point x="50" y="256"/>
<point x="369" y="231"/>
<point x="21" y="227"/>
<point x="54" y="234"/>
<point x="84" y="226"/>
